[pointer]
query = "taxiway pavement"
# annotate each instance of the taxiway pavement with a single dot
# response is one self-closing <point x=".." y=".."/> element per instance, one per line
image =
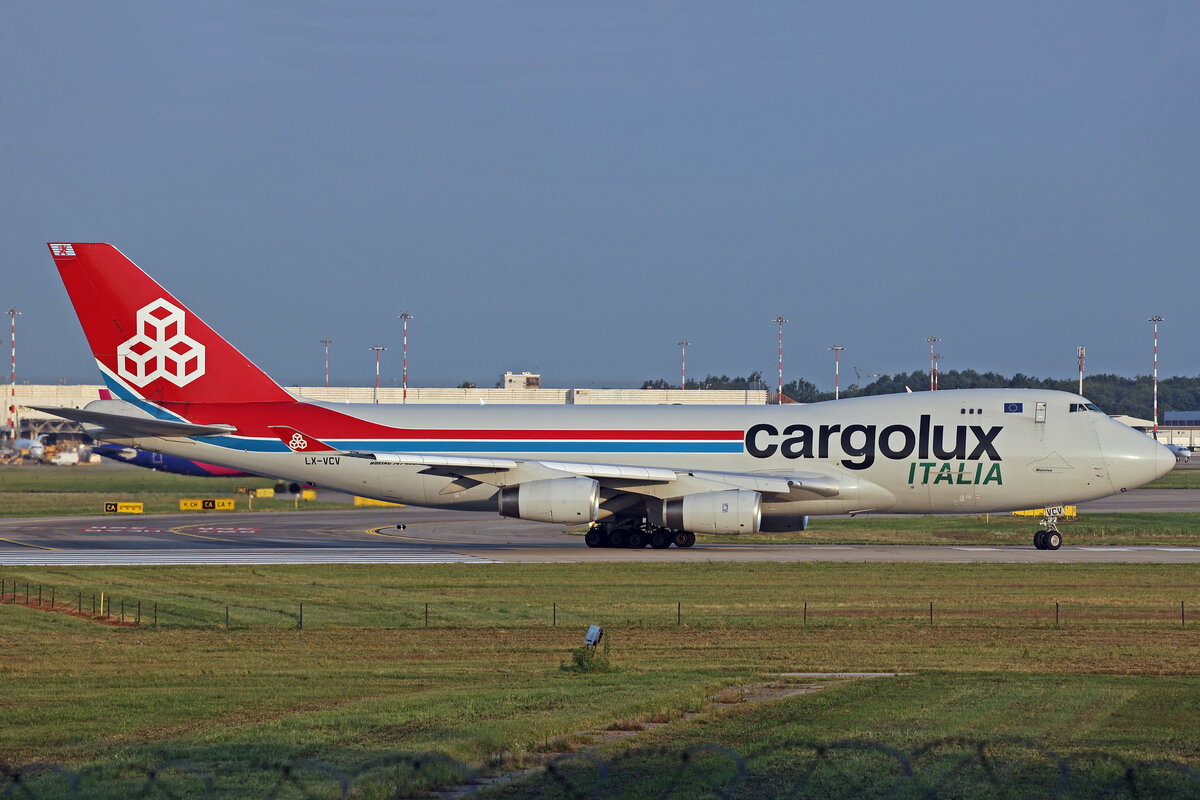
<point x="439" y="536"/>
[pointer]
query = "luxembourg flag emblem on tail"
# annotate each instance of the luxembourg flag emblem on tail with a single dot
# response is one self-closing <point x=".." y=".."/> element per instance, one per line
<point x="61" y="250"/>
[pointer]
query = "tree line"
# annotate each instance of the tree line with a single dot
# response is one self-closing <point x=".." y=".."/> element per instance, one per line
<point x="1114" y="394"/>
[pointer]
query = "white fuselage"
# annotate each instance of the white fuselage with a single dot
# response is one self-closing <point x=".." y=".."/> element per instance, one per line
<point x="979" y="450"/>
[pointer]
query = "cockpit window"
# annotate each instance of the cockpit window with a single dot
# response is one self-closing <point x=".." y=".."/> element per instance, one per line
<point x="1085" y="407"/>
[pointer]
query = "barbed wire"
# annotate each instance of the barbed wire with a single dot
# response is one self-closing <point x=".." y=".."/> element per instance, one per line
<point x="947" y="767"/>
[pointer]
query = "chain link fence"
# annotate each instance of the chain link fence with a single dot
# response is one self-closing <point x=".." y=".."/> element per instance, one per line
<point x="952" y="767"/>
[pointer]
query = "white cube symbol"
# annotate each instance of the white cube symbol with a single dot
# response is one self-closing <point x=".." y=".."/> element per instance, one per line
<point x="160" y="349"/>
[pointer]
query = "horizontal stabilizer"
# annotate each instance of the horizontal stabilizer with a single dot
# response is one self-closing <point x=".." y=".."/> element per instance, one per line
<point x="136" y="426"/>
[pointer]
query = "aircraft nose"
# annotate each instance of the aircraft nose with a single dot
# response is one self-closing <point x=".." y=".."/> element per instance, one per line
<point x="1133" y="458"/>
<point x="1165" y="461"/>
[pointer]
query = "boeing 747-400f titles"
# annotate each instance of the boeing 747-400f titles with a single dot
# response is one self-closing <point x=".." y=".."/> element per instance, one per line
<point x="642" y="475"/>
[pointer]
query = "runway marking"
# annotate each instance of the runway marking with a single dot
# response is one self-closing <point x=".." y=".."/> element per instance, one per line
<point x="380" y="530"/>
<point x="307" y="555"/>
<point x="198" y="536"/>
<point x="27" y="544"/>
<point x="120" y="529"/>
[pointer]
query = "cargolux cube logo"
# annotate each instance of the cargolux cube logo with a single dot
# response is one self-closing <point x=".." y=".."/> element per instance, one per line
<point x="160" y="349"/>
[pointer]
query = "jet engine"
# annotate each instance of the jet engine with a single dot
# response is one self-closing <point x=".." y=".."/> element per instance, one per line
<point x="553" y="500"/>
<point x="731" y="511"/>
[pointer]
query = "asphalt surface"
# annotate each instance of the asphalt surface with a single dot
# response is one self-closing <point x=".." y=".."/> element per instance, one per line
<point x="433" y="536"/>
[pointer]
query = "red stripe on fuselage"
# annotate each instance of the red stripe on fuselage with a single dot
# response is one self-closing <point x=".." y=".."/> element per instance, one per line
<point x="252" y="419"/>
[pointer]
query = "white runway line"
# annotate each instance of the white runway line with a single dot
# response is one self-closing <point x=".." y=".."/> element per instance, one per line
<point x="310" y="555"/>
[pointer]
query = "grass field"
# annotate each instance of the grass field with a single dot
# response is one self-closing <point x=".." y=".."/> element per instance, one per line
<point x="1122" y="529"/>
<point x="482" y="684"/>
<point x="1184" y="476"/>
<point x="45" y="490"/>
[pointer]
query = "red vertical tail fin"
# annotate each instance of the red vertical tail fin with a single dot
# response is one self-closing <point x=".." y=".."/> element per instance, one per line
<point x="149" y="345"/>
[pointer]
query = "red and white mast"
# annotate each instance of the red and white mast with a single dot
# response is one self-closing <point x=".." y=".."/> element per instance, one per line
<point x="1155" y="319"/>
<point x="13" y="313"/>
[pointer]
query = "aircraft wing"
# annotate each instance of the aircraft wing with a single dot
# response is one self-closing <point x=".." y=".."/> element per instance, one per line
<point x="132" y="426"/>
<point x="659" y="482"/>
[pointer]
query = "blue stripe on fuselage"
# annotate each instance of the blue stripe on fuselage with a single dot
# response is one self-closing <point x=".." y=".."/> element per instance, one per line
<point x="440" y="446"/>
<point x="122" y="393"/>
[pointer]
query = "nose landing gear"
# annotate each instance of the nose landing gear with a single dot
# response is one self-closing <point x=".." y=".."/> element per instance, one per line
<point x="1050" y="538"/>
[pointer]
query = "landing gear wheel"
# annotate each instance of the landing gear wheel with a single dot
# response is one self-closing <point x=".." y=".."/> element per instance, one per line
<point x="1051" y="540"/>
<point x="1038" y="540"/>
<point x="593" y="538"/>
<point x="659" y="540"/>
<point x="616" y="539"/>
<point x="636" y="540"/>
<point x="684" y="538"/>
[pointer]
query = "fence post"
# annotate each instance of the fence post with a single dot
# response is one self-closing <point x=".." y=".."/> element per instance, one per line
<point x="805" y="612"/>
<point x="39" y="595"/>
<point x="427" y="615"/>
<point x="554" y="619"/>
<point x="139" y="616"/>
<point x="226" y="617"/>
<point x="122" y="610"/>
<point x="52" y="598"/>
<point x="678" y="614"/>
<point x="931" y="612"/>
<point x="79" y="603"/>
<point x="156" y="615"/>
<point x="93" y="604"/>
<point x="1056" y="613"/>
<point x="1182" y="621"/>
<point x="301" y="615"/>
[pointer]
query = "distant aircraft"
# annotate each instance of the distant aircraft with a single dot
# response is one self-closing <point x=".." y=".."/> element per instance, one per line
<point x="1183" y="455"/>
<point x="165" y="463"/>
<point x="33" y="448"/>
<point x="642" y="475"/>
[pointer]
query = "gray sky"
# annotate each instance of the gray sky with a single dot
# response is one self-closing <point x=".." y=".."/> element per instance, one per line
<point x="572" y="188"/>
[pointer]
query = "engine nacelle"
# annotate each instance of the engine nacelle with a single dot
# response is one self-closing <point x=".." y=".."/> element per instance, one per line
<point x="731" y="511"/>
<point x="553" y="500"/>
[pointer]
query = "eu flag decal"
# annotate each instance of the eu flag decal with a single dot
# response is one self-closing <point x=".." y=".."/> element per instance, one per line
<point x="1013" y="408"/>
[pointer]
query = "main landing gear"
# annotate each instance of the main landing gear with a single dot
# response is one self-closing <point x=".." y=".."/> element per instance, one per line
<point x="1050" y="538"/>
<point x="636" y="535"/>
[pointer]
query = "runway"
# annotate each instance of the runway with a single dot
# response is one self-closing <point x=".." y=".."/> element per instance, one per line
<point x="442" y="537"/>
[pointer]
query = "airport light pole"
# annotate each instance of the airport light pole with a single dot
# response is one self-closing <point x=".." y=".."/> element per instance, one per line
<point x="837" y="351"/>
<point x="931" y="340"/>
<point x="1155" y="319"/>
<point x="13" y="313"/>
<point x="378" y="349"/>
<point x="779" y="321"/>
<point x="327" y="341"/>
<point x="1081" y="370"/>
<point x="937" y="360"/>
<point x="404" y="315"/>
<point x="683" y="343"/>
